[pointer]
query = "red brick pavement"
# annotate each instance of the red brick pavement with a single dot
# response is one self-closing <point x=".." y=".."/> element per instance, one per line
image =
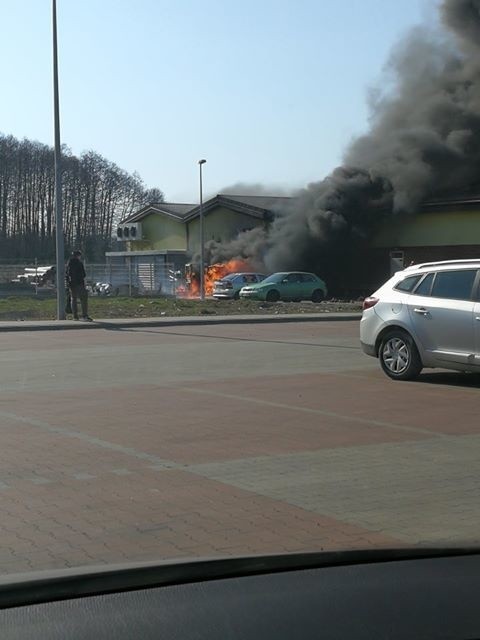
<point x="186" y="427"/>
<point x="155" y="516"/>
<point x="67" y="500"/>
<point x="368" y="395"/>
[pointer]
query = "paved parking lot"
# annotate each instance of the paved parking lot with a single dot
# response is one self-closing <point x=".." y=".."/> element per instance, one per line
<point x="155" y="443"/>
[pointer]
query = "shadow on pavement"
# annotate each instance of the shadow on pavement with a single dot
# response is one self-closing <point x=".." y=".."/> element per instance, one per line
<point x="166" y="331"/>
<point x="451" y="378"/>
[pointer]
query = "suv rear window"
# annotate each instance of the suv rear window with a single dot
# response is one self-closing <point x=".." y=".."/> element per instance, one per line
<point x="424" y="287"/>
<point x="407" y="284"/>
<point x="454" y="285"/>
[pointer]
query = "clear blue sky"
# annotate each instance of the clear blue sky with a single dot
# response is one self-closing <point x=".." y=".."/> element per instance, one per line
<point x="268" y="91"/>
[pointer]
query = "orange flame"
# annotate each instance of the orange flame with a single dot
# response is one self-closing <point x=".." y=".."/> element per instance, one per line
<point x="213" y="273"/>
<point x="218" y="271"/>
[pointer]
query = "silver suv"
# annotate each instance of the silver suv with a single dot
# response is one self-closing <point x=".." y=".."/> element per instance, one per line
<point x="427" y="315"/>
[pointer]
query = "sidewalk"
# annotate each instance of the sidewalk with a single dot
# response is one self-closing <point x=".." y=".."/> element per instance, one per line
<point x="132" y="323"/>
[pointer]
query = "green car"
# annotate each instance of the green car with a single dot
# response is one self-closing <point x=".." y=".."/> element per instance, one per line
<point x="293" y="285"/>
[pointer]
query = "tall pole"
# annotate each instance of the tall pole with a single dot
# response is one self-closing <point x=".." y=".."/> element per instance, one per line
<point x="202" y="236"/>
<point x="59" y="241"/>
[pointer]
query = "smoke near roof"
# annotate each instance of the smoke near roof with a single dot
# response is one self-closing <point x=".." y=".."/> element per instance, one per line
<point x="424" y="137"/>
<point x="256" y="188"/>
<point x="250" y="245"/>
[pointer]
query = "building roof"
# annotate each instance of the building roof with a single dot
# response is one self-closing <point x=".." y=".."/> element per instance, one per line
<point x="173" y="209"/>
<point x="255" y="206"/>
<point x="264" y="207"/>
<point x="264" y="202"/>
<point x="463" y="201"/>
<point x="465" y="197"/>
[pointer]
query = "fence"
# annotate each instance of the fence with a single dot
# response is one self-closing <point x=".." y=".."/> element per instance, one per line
<point x="15" y="272"/>
<point x="142" y="278"/>
<point x="146" y="279"/>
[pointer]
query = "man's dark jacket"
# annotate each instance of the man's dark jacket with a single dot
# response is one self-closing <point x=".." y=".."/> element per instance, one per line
<point x="75" y="273"/>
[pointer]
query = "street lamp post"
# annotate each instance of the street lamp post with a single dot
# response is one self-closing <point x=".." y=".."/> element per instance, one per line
<point x="202" y="236"/>
<point x="59" y="241"/>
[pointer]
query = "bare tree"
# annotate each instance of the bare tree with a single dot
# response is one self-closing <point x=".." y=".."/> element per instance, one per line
<point x="96" y="195"/>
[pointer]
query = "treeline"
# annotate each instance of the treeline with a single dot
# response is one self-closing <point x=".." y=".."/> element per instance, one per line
<point x="96" y="195"/>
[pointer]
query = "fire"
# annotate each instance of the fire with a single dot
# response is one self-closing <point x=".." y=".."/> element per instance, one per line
<point x="212" y="273"/>
<point x="218" y="271"/>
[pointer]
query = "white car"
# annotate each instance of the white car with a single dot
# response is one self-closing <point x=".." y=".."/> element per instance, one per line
<point x="229" y="287"/>
<point x="427" y="315"/>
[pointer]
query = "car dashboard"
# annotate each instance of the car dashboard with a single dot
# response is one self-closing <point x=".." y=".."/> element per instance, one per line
<point x="374" y="595"/>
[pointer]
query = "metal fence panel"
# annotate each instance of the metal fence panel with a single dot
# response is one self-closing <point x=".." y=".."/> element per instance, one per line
<point x="146" y="278"/>
<point x="143" y="278"/>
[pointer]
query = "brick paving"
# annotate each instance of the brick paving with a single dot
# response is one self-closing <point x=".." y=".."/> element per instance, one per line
<point x="154" y="444"/>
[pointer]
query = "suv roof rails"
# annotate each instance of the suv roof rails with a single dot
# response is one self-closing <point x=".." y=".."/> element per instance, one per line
<point x="428" y="265"/>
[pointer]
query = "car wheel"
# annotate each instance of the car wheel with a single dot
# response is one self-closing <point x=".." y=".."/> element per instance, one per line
<point x="236" y="295"/>
<point x="318" y="295"/>
<point x="273" y="296"/>
<point x="399" y="356"/>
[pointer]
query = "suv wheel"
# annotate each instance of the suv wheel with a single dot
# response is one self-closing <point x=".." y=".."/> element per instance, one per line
<point x="399" y="356"/>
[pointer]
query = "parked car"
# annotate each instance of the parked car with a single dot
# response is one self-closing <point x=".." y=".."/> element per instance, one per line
<point x="229" y="286"/>
<point x="296" y="285"/>
<point x="427" y="315"/>
<point x="39" y="276"/>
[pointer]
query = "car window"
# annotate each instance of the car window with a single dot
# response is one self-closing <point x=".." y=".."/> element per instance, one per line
<point x="408" y="284"/>
<point x="293" y="278"/>
<point x="308" y="277"/>
<point x="425" y="285"/>
<point x="454" y="285"/>
<point x="275" y="278"/>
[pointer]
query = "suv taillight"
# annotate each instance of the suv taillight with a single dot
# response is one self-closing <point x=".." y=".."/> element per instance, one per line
<point x="369" y="302"/>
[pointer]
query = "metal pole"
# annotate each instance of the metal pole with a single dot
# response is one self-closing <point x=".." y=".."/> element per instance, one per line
<point x="202" y="237"/>
<point x="59" y="241"/>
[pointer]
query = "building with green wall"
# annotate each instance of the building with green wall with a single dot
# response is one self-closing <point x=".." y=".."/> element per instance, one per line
<point x="161" y="238"/>
<point x="225" y="216"/>
<point x="442" y="229"/>
<point x="161" y="227"/>
<point x="175" y="227"/>
<point x="168" y="234"/>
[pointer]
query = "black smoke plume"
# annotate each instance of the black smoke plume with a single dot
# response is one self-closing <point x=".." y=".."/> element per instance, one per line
<point x="424" y="140"/>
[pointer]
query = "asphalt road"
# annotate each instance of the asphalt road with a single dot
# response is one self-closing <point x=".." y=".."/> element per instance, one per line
<point x="156" y="443"/>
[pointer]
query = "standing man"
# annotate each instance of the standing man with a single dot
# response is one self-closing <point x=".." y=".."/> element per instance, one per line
<point x="75" y="276"/>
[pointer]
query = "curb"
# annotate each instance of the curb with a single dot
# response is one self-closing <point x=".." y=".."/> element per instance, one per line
<point x="187" y="321"/>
